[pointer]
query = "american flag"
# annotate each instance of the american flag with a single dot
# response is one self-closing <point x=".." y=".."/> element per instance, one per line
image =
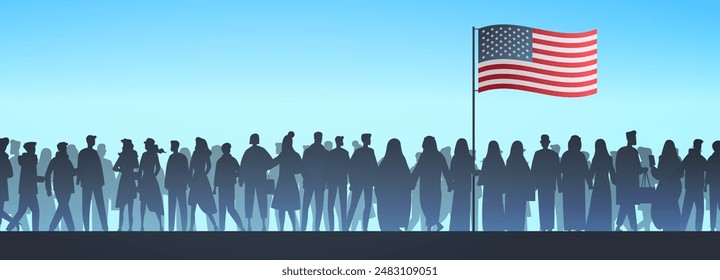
<point x="536" y="60"/>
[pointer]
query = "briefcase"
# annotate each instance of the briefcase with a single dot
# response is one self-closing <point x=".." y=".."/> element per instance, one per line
<point x="646" y="193"/>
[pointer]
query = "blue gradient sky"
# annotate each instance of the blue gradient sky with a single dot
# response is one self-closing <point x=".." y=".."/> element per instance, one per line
<point x="226" y="69"/>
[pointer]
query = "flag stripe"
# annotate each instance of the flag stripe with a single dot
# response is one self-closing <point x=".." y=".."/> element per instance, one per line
<point x="550" y="70"/>
<point x="564" y="35"/>
<point x="539" y="90"/>
<point x="565" y="50"/>
<point x="562" y="44"/>
<point x="553" y="82"/>
<point x="565" y="40"/>
<point x="565" y="64"/>
<point x="564" y="59"/>
<point x="537" y="85"/>
<point x="582" y="78"/>
<point x="564" y="54"/>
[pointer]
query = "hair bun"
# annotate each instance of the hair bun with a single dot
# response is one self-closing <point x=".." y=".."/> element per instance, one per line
<point x="291" y="134"/>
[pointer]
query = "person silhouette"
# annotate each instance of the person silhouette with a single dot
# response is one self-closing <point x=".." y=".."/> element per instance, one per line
<point x="313" y="160"/>
<point x="46" y="204"/>
<point x="126" y="164"/>
<point x="60" y="172"/>
<point x="227" y="171"/>
<point x="559" y="217"/>
<point x="337" y="164"/>
<point x="90" y="178"/>
<point x="545" y="174"/>
<point x="176" y="183"/>
<point x="694" y="165"/>
<point x="6" y="172"/>
<point x="462" y="170"/>
<point x="200" y="191"/>
<point x="109" y="189"/>
<point x="428" y="170"/>
<point x="362" y="173"/>
<point x="148" y="186"/>
<point x="712" y="178"/>
<point x="645" y="209"/>
<point x="14" y="197"/>
<point x="518" y="189"/>
<point x="627" y="172"/>
<point x="492" y="179"/>
<point x="28" y="187"/>
<point x="254" y="166"/>
<point x="393" y="188"/>
<point x="75" y="200"/>
<point x="287" y="195"/>
<point x="665" y="208"/>
<point x="602" y="171"/>
<point x="574" y="170"/>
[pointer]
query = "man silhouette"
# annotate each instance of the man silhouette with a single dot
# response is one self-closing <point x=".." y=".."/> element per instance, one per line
<point x="91" y="180"/>
<point x="28" y="187"/>
<point x="545" y="171"/>
<point x="61" y="171"/>
<point x="712" y="178"/>
<point x="336" y="173"/>
<point x="362" y="171"/>
<point x="628" y="170"/>
<point x="694" y="165"/>
<point x="176" y="182"/>
<point x="6" y="172"/>
<point x="254" y="166"/>
<point x="313" y="180"/>
<point x="227" y="171"/>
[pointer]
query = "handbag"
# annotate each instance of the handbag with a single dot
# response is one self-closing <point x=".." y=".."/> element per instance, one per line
<point x="646" y="193"/>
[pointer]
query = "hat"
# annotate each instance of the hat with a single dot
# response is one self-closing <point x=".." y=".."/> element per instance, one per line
<point x="90" y="137"/>
<point x="697" y="143"/>
<point x="62" y="145"/>
<point x="150" y="141"/>
<point x="126" y="141"/>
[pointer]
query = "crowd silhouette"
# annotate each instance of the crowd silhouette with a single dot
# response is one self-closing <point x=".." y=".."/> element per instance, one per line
<point x="574" y="190"/>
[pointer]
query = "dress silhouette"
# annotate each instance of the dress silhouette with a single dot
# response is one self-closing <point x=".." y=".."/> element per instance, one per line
<point x="176" y="182"/>
<point x="462" y="170"/>
<point x="61" y="173"/>
<point x="545" y="174"/>
<point x="492" y="179"/>
<point x="91" y="180"/>
<point x="392" y="189"/>
<point x="200" y="191"/>
<point x="227" y="171"/>
<point x="337" y="166"/>
<point x="574" y="170"/>
<point x="126" y="165"/>
<point x="148" y="186"/>
<point x="518" y="190"/>
<point x="28" y="187"/>
<point x="628" y="170"/>
<point x="712" y="178"/>
<point x="694" y="165"/>
<point x="254" y="165"/>
<point x="429" y="168"/>
<point x="313" y="160"/>
<point x="287" y="195"/>
<point x="602" y="172"/>
<point x="6" y="172"/>
<point x="666" y="205"/>
<point x="362" y="174"/>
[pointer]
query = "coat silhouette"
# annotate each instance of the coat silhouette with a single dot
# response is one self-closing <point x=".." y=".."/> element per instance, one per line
<point x="602" y="172"/>
<point x="91" y="179"/>
<point x="666" y="205"/>
<point x="126" y="165"/>
<point x="712" y="178"/>
<point x="200" y="191"/>
<point x="176" y="182"/>
<point x="628" y="170"/>
<point x="694" y="165"/>
<point x="462" y="170"/>
<point x="393" y="188"/>
<point x="28" y="188"/>
<point x="429" y="168"/>
<point x="61" y="173"/>
<point x="492" y="179"/>
<point x="254" y="165"/>
<point x="287" y="195"/>
<point x="337" y="164"/>
<point x="518" y="188"/>
<point x="545" y="174"/>
<point x="313" y="160"/>
<point x="148" y="186"/>
<point x="6" y="172"/>
<point x="227" y="171"/>
<point x="362" y="174"/>
<point x="574" y="170"/>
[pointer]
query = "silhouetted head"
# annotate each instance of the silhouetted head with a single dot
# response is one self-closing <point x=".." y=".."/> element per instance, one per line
<point x="574" y="144"/>
<point x="493" y="150"/>
<point x="461" y="147"/>
<point x="716" y="146"/>
<point x="697" y="145"/>
<point x="555" y="148"/>
<point x="393" y="149"/>
<point x="544" y="141"/>
<point x="327" y="145"/>
<point x="90" y="139"/>
<point x="226" y="148"/>
<point x="14" y="147"/>
<point x="365" y="138"/>
<point x="254" y="139"/>
<point x="45" y="154"/>
<point x="174" y="146"/>
<point x="631" y="137"/>
<point x="127" y="144"/>
<point x="669" y="150"/>
<point x="516" y="150"/>
<point x="201" y="146"/>
<point x="288" y="141"/>
<point x="149" y="144"/>
<point x="339" y="141"/>
<point x="101" y="150"/>
<point x="356" y="145"/>
<point x="601" y="148"/>
<point x="429" y="144"/>
<point x="62" y="147"/>
<point x="318" y="137"/>
<point x="4" y="143"/>
<point x="29" y="147"/>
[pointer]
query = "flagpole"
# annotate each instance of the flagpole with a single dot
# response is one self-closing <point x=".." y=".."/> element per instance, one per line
<point x="473" y="128"/>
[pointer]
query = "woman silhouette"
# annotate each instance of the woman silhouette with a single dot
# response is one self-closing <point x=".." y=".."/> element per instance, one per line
<point x="428" y="170"/>
<point x="602" y="171"/>
<point x="492" y="179"/>
<point x="393" y="189"/>
<point x="462" y="170"/>
<point x="200" y="191"/>
<point x="665" y="209"/>
<point x="287" y="195"/>
<point x="574" y="170"/>
<point x="127" y="189"/>
<point x="517" y="191"/>
<point x="148" y="186"/>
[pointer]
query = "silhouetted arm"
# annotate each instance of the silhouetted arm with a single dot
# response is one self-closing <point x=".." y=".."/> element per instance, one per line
<point x="116" y="167"/>
<point x="208" y="166"/>
<point x="612" y="172"/>
<point x="156" y="166"/>
<point x="591" y="175"/>
<point x="80" y="168"/>
<point x="48" y="174"/>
